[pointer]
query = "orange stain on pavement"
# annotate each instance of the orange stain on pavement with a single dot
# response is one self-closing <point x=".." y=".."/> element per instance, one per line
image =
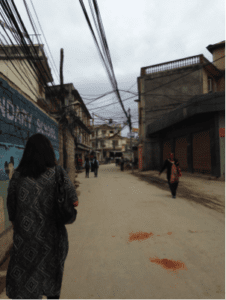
<point x="169" y="233"/>
<point x="169" y="264"/>
<point x="139" y="236"/>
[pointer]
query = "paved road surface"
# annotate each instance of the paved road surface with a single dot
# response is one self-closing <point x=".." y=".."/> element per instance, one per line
<point x="132" y="240"/>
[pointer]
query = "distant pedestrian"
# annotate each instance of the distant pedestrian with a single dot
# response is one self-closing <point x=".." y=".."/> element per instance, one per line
<point x="87" y="166"/>
<point x="95" y="166"/>
<point x="122" y="163"/>
<point x="173" y="173"/>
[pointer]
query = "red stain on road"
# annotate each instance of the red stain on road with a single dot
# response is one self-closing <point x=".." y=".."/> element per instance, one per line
<point x="113" y="235"/>
<point x="139" y="236"/>
<point x="169" y="264"/>
<point x="169" y="233"/>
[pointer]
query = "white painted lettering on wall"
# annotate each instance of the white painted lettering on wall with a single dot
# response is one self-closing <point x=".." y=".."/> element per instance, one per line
<point x="13" y="112"/>
<point x="24" y="117"/>
<point x="17" y="115"/>
<point x="50" y="132"/>
<point x="2" y="107"/>
<point x="10" y="105"/>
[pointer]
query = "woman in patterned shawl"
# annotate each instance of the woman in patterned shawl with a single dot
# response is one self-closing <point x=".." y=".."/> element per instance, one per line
<point x="173" y="182"/>
<point x="40" y="246"/>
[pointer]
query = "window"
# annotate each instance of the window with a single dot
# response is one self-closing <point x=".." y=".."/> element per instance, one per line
<point x="103" y="132"/>
<point x="114" y="143"/>
<point x="210" y="84"/>
<point x="102" y="143"/>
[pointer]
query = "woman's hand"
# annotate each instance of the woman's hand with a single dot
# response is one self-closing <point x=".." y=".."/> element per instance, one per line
<point x="75" y="203"/>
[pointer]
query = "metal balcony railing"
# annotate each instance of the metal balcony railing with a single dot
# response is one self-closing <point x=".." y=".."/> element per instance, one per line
<point x="176" y="64"/>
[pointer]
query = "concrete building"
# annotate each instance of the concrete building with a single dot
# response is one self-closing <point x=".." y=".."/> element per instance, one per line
<point x="106" y="142"/>
<point x="20" y="117"/>
<point x="80" y="142"/>
<point x="165" y="87"/>
<point x="14" y="64"/>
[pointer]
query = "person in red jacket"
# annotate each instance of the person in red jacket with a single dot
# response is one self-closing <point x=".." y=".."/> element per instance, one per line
<point x="173" y="173"/>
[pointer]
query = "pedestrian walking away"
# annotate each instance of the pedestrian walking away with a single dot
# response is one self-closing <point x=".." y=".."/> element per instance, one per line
<point x="87" y="166"/>
<point x="95" y="166"/>
<point x="40" y="239"/>
<point x="122" y="163"/>
<point x="173" y="173"/>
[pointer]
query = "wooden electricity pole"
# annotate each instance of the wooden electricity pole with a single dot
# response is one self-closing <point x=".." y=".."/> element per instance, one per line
<point x="130" y="130"/>
<point x="62" y="101"/>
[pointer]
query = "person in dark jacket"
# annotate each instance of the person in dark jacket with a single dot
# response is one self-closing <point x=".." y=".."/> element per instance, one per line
<point x="40" y="247"/>
<point x="122" y="163"/>
<point x="96" y="166"/>
<point x="87" y="166"/>
<point x="168" y="165"/>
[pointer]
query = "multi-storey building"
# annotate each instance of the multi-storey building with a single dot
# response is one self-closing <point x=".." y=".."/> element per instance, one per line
<point x="20" y="117"/>
<point x="80" y="147"/>
<point x="26" y="71"/>
<point x="181" y="109"/>
<point x="106" y="142"/>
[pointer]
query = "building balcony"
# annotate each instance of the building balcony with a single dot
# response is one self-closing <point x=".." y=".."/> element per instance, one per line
<point x="171" y="65"/>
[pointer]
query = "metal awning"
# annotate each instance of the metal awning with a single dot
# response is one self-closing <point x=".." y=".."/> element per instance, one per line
<point x="83" y="147"/>
<point x="196" y="105"/>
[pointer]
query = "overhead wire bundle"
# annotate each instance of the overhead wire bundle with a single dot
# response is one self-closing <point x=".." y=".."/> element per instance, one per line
<point x="10" y="15"/>
<point x="105" y="56"/>
<point x="35" y="30"/>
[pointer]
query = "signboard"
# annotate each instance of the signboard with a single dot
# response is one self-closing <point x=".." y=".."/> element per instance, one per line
<point x="135" y="130"/>
<point x="131" y="135"/>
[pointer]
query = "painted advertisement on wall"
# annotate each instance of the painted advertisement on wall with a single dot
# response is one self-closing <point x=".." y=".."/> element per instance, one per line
<point x="19" y="119"/>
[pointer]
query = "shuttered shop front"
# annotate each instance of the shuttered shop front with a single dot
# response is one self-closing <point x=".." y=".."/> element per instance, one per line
<point x="201" y="152"/>
<point x="181" y="152"/>
<point x="166" y="150"/>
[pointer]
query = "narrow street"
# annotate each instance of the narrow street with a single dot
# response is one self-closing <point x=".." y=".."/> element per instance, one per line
<point x="132" y="240"/>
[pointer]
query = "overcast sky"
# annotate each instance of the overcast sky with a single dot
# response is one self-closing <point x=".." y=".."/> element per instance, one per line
<point x="139" y="33"/>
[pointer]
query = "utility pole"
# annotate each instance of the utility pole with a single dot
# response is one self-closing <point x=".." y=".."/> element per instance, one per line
<point x="63" y="104"/>
<point x="130" y="129"/>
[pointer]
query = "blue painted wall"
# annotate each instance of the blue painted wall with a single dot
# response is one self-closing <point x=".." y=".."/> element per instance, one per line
<point x="19" y="119"/>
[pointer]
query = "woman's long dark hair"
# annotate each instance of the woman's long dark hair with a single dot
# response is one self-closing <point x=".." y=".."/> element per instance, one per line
<point x="37" y="157"/>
